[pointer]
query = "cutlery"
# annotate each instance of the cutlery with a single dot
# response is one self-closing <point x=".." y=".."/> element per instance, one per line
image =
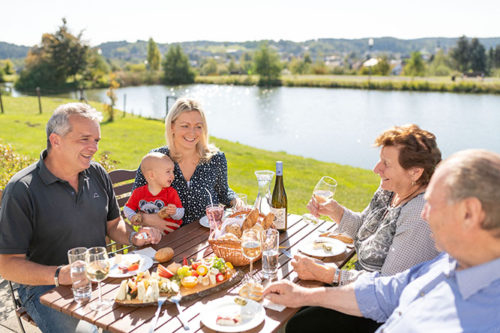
<point x="287" y="253"/>
<point x="176" y="299"/>
<point x="161" y="300"/>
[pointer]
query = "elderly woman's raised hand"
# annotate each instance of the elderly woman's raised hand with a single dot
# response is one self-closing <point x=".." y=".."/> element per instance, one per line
<point x="308" y="268"/>
<point x="329" y="208"/>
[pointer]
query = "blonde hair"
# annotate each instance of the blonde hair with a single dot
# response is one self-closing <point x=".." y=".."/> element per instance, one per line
<point x="205" y="149"/>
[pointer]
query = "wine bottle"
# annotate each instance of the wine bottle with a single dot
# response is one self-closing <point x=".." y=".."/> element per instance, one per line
<point x="279" y="204"/>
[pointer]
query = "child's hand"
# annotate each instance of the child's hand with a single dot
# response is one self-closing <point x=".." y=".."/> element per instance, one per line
<point x="167" y="211"/>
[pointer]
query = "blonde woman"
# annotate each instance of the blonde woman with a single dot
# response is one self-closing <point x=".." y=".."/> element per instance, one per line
<point x="198" y="165"/>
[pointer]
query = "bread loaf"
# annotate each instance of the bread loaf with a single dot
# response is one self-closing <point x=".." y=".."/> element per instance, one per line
<point x="164" y="254"/>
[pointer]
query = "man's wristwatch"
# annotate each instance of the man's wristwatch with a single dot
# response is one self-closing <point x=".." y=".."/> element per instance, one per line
<point x="56" y="276"/>
<point x="131" y="236"/>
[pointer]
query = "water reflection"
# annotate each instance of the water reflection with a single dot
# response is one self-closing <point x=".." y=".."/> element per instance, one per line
<point x="334" y="125"/>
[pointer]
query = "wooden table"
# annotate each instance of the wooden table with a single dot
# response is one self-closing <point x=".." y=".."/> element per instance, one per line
<point x="191" y="242"/>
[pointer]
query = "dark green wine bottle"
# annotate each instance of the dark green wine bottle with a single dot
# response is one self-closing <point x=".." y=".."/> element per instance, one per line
<point x="279" y="203"/>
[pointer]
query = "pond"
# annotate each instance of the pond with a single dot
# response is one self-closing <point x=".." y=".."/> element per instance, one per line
<point x="332" y="125"/>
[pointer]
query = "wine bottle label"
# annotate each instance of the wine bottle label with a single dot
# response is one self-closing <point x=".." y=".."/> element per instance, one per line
<point x="279" y="217"/>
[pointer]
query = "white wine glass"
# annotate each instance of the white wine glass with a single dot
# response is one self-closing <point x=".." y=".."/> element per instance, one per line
<point x="251" y="248"/>
<point x="323" y="191"/>
<point x="97" y="269"/>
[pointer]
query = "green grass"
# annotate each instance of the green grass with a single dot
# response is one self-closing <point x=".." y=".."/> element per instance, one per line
<point x="128" y="138"/>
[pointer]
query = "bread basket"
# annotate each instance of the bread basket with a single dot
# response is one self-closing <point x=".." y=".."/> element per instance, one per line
<point x="230" y="249"/>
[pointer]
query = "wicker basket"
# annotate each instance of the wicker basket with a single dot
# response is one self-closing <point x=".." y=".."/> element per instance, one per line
<point x="230" y="251"/>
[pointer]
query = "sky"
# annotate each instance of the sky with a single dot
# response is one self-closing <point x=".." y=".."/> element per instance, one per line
<point x="23" y="22"/>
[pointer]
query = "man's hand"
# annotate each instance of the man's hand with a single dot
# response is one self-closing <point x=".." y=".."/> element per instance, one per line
<point x="154" y="220"/>
<point x="153" y="236"/>
<point x="286" y="293"/>
<point x="313" y="269"/>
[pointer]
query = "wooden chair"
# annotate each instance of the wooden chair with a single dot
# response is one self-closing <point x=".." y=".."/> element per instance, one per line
<point x="122" y="180"/>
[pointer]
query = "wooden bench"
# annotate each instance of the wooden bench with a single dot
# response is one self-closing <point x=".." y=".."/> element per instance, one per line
<point x="123" y="181"/>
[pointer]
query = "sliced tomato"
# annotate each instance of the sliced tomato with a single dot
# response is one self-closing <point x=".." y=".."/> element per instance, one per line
<point x="194" y="273"/>
<point x="219" y="277"/>
<point x="184" y="262"/>
<point x="195" y="265"/>
<point x="133" y="267"/>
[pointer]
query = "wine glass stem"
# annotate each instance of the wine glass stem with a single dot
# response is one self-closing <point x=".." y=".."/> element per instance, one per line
<point x="251" y="270"/>
<point x="100" y="292"/>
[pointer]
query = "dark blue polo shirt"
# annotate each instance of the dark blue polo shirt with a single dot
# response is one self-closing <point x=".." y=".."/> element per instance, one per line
<point x="43" y="217"/>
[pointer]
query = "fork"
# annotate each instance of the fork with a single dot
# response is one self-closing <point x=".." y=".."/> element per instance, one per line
<point x="176" y="299"/>
<point x="161" y="300"/>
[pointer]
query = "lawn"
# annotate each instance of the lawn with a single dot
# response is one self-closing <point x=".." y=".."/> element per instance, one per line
<point x="128" y="138"/>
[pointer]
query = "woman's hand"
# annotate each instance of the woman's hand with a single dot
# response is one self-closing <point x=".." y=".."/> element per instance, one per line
<point x="308" y="268"/>
<point x="153" y="220"/>
<point x="329" y="208"/>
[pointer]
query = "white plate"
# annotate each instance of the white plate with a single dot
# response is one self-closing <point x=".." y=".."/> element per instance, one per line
<point x="337" y="248"/>
<point x="146" y="263"/>
<point x="252" y="314"/>
<point x="204" y="222"/>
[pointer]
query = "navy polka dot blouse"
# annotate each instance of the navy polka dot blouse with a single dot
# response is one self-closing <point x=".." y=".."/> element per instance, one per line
<point x="211" y="175"/>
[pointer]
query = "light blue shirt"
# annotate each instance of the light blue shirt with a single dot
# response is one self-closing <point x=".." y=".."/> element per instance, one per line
<point x="433" y="297"/>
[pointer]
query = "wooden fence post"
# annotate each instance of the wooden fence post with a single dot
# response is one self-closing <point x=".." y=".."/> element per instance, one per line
<point x="1" y="104"/>
<point x="39" y="100"/>
<point x="124" y="104"/>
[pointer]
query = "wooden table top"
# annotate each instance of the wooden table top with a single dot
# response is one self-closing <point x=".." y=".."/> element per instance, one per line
<point x="190" y="241"/>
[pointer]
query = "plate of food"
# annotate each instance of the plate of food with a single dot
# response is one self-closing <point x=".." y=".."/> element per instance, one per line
<point x="127" y="265"/>
<point x="323" y="247"/>
<point x="190" y="281"/>
<point x="204" y="222"/>
<point x="232" y="314"/>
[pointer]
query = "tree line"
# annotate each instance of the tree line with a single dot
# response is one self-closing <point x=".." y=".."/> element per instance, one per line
<point x="64" y="61"/>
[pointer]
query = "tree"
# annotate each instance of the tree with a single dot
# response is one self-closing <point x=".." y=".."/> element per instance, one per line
<point x="246" y="63"/>
<point x="60" y="56"/>
<point x="496" y="58"/>
<point x="8" y="66"/>
<point x="209" y="67"/>
<point x="267" y="65"/>
<point x="176" y="67"/>
<point x="440" y="65"/>
<point x="477" y="53"/>
<point x="97" y="66"/>
<point x="415" y="66"/>
<point x="461" y="54"/>
<point x="154" y="55"/>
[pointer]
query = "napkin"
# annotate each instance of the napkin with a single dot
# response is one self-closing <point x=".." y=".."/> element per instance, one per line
<point x="273" y="306"/>
<point x="147" y="251"/>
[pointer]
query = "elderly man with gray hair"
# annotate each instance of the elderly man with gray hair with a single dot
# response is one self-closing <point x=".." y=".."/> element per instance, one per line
<point x="458" y="291"/>
<point x="63" y="201"/>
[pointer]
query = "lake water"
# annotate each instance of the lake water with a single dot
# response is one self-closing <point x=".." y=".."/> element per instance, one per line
<point x="333" y="125"/>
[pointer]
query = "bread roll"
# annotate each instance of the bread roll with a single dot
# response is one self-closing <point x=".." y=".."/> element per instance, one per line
<point x="234" y="228"/>
<point x="341" y="237"/>
<point x="251" y="219"/>
<point x="268" y="220"/>
<point x="164" y="254"/>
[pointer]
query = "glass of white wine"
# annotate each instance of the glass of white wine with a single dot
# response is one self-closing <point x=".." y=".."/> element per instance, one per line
<point x="251" y="248"/>
<point x="323" y="191"/>
<point x="97" y="269"/>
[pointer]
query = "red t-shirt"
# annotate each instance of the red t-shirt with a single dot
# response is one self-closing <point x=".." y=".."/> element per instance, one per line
<point x="142" y="200"/>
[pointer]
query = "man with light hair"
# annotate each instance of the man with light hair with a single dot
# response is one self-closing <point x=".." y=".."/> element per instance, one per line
<point x="459" y="291"/>
<point x="61" y="202"/>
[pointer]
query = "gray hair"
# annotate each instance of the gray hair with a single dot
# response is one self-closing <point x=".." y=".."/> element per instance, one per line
<point x="59" y="122"/>
<point x="476" y="173"/>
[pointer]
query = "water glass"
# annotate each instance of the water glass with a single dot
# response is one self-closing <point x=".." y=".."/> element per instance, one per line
<point x="81" y="285"/>
<point x="243" y="201"/>
<point x="214" y="212"/>
<point x="270" y="253"/>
